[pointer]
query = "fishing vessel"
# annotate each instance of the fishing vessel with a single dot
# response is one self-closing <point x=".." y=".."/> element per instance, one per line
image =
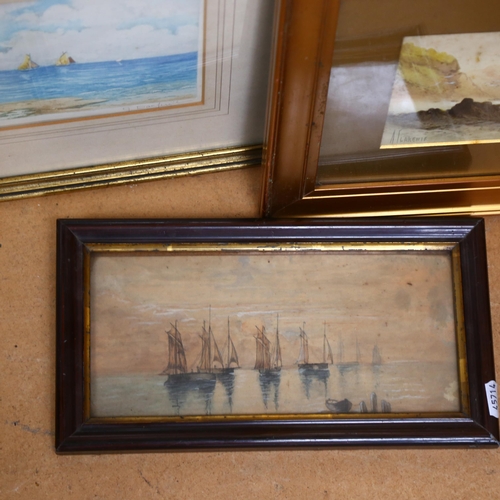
<point x="376" y="357"/>
<point x="346" y="365"/>
<point x="65" y="60"/>
<point x="232" y="355"/>
<point x="210" y="363"/>
<point x="183" y="385"/>
<point x="176" y="355"/>
<point x="210" y="353"/>
<point x="27" y="64"/>
<point x="267" y="356"/>
<point x="303" y="361"/>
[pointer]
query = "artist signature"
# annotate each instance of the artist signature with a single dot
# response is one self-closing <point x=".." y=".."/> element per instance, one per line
<point x="399" y="137"/>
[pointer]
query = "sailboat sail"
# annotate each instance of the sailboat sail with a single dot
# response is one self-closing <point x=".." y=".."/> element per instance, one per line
<point x="27" y="63"/>
<point x="304" y="348"/>
<point x="65" y="60"/>
<point x="210" y="352"/>
<point x="232" y="355"/>
<point x="327" y="351"/>
<point x="277" y="361"/>
<point x="176" y="354"/>
<point x="263" y="351"/>
<point x="204" y="364"/>
<point x="376" y="357"/>
<point x="303" y="361"/>
<point x="267" y="357"/>
<point x="341" y="364"/>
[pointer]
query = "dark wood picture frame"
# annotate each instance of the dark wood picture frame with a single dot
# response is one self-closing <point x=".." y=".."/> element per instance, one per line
<point x="78" y="431"/>
<point x="292" y="187"/>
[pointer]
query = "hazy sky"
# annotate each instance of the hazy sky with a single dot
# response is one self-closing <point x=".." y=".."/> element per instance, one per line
<point x="97" y="30"/>
<point x="401" y="302"/>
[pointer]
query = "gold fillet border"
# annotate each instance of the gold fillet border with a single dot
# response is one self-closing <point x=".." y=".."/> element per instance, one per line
<point x="194" y="163"/>
<point x="451" y="248"/>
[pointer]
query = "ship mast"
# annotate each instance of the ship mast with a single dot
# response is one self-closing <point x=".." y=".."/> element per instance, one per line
<point x="228" y="344"/>
<point x="277" y="357"/>
<point x="209" y="338"/>
<point x="327" y="349"/>
<point x="262" y="354"/>
<point x="324" y="342"/>
<point x="304" y="346"/>
<point x="176" y="355"/>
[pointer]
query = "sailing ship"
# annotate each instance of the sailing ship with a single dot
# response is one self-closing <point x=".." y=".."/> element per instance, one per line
<point x="209" y="359"/>
<point x="176" y="355"/>
<point x="267" y="357"/>
<point x="210" y="353"/>
<point x="232" y="355"/>
<point x="27" y="63"/>
<point x="303" y="361"/>
<point x="376" y="357"/>
<point x="268" y="361"/>
<point x="199" y="385"/>
<point x="346" y="365"/>
<point x="65" y="60"/>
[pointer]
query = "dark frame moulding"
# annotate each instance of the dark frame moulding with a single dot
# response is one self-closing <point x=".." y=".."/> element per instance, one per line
<point x="298" y="96"/>
<point x="75" y="433"/>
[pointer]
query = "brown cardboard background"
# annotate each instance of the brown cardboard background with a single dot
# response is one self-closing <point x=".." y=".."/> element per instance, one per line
<point x="29" y="467"/>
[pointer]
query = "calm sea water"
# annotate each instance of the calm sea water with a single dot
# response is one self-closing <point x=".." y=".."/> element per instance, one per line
<point x="408" y="387"/>
<point x="169" y="77"/>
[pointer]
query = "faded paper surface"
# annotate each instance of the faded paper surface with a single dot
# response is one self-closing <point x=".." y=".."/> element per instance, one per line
<point x="388" y="319"/>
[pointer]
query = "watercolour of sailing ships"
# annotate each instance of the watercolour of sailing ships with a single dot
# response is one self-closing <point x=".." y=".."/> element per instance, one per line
<point x="161" y="348"/>
<point x="303" y="361"/>
<point x="268" y="362"/>
<point x="211" y="359"/>
<point x="27" y="64"/>
<point x="65" y="60"/>
<point x="150" y="60"/>
<point x="342" y="363"/>
<point x="181" y="381"/>
<point x="267" y="356"/>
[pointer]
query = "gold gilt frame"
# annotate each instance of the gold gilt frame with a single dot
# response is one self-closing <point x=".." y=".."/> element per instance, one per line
<point x="129" y="171"/>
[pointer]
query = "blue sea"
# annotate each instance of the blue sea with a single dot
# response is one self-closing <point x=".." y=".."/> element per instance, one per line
<point x="125" y="82"/>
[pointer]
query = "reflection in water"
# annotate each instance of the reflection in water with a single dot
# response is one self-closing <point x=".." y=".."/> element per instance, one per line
<point x="269" y="381"/>
<point x="347" y="367"/>
<point x="314" y="377"/>
<point x="248" y="391"/>
<point x="227" y="380"/>
<point x="184" y="387"/>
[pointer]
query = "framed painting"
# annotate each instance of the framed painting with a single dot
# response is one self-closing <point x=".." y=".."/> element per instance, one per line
<point x="92" y="95"/>
<point x="380" y="115"/>
<point x="187" y="335"/>
<point x="443" y="99"/>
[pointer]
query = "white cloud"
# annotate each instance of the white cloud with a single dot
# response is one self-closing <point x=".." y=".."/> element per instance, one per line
<point x="55" y="15"/>
<point x="100" y="30"/>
